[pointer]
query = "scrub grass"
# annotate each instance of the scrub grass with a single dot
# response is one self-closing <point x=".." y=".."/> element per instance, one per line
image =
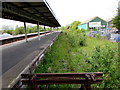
<point x="74" y="52"/>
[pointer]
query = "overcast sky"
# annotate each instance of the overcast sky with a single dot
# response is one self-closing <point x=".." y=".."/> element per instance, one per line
<point x="68" y="11"/>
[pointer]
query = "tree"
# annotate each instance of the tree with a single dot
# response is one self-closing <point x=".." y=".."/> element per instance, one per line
<point x="116" y="21"/>
<point x="19" y="30"/>
<point x="34" y="28"/>
<point x="62" y="28"/>
<point x="9" y="31"/>
<point x="30" y="29"/>
<point x="74" y="25"/>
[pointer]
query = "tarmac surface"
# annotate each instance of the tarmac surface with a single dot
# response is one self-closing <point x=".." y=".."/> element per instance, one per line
<point x="16" y="56"/>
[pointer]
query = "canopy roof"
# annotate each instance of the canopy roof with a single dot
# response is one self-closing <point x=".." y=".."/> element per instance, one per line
<point x="31" y="12"/>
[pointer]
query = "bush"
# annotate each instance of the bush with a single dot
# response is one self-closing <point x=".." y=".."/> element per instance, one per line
<point x="76" y="38"/>
<point x="104" y="60"/>
<point x="88" y="30"/>
<point x="74" y="25"/>
<point x="83" y="30"/>
<point x="95" y="29"/>
<point x="11" y="32"/>
<point x="82" y="41"/>
<point x="98" y="36"/>
<point x="30" y="29"/>
<point x="19" y="30"/>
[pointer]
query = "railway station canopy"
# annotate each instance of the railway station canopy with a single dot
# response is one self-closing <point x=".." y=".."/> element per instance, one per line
<point x="31" y="11"/>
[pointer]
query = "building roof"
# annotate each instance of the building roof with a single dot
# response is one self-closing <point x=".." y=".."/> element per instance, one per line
<point x="87" y="21"/>
<point x="109" y="20"/>
<point x="31" y="12"/>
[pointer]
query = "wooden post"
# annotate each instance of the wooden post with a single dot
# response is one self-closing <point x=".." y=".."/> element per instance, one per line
<point x="34" y="84"/>
<point x="38" y="31"/>
<point x="87" y="84"/>
<point x="25" y="32"/>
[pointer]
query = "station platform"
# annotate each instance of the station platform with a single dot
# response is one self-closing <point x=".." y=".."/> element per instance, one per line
<point x="18" y="55"/>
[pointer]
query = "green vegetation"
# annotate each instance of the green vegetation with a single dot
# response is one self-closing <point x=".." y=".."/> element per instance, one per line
<point x="74" y="52"/>
<point x="9" y="31"/>
<point x="116" y="21"/>
<point x="74" y="25"/>
<point x="20" y="30"/>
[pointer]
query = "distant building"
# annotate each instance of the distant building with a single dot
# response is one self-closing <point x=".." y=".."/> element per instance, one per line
<point x="93" y="23"/>
<point x="109" y="23"/>
<point x="110" y="27"/>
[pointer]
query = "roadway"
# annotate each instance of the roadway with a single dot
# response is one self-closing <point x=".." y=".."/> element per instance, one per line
<point x="16" y="56"/>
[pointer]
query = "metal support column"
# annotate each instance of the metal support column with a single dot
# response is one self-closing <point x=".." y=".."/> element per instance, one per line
<point x="45" y="30"/>
<point x="25" y="31"/>
<point x="38" y="31"/>
<point x="51" y="29"/>
<point x="57" y="29"/>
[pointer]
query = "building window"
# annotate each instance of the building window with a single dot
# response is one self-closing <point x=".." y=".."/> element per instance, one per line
<point x="103" y="25"/>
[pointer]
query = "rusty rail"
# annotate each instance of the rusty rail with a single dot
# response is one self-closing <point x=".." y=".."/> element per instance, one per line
<point x="85" y="79"/>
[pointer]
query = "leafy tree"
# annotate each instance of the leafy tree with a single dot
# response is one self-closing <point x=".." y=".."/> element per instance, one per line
<point x="9" y="31"/>
<point x="29" y="29"/>
<point x="74" y="25"/>
<point x="62" y="28"/>
<point x="19" y="30"/>
<point x="65" y="27"/>
<point x="47" y="29"/>
<point x="34" y="29"/>
<point x="116" y="21"/>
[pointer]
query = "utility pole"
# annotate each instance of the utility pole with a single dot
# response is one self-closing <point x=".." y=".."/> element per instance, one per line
<point x="45" y="29"/>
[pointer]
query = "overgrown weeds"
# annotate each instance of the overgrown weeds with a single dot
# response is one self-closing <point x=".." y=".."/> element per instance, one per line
<point x="74" y="52"/>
